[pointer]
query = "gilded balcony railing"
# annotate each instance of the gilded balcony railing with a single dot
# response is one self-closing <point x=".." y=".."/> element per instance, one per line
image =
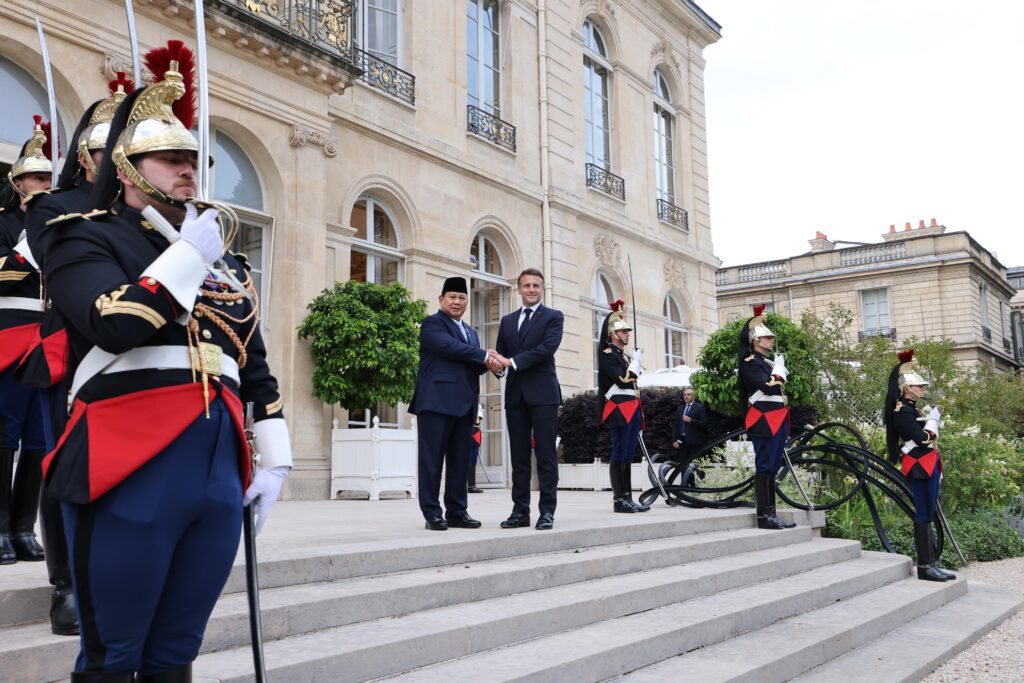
<point x="606" y="181"/>
<point x="670" y="213"/>
<point x="490" y="128"/>
<point x="385" y="76"/>
<point x="325" y="25"/>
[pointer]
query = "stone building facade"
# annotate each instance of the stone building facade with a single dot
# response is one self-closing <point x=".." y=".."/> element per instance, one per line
<point x="420" y="139"/>
<point x="919" y="282"/>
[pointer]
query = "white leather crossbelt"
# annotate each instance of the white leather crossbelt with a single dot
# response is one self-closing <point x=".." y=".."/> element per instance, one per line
<point x="98" y="361"/>
<point x="761" y="396"/>
<point x="620" y="391"/>
<point x="21" y="303"/>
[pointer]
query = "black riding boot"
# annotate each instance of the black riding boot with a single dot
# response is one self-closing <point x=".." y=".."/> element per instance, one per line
<point x="923" y="541"/>
<point x="935" y="559"/>
<point x="627" y="487"/>
<point x="471" y="486"/>
<point x="763" y="502"/>
<point x="7" y="553"/>
<point x="180" y="674"/>
<point x="773" y="513"/>
<point x="63" y="615"/>
<point x="619" y="503"/>
<point x="28" y="482"/>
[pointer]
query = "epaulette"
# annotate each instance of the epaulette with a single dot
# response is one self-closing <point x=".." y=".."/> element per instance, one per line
<point x="899" y="407"/>
<point x="33" y="195"/>
<point x="748" y="358"/>
<point x="608" y="350"/>
<point x="244" y="258"/>
<point x="73" y="216"/>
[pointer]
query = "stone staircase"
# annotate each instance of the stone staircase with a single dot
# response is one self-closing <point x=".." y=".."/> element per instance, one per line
<point x="674" y="594"/>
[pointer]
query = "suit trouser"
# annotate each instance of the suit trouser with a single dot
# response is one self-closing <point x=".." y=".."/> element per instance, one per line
<point x="150" y="557"/>
<point x="532" y="429"/>
<point x="444" y="441"/>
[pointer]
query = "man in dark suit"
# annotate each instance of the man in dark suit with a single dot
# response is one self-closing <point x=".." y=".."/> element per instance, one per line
<point x="689" y="429"/>
<point x="527" y="341"/>
<point x="445" y="404"/>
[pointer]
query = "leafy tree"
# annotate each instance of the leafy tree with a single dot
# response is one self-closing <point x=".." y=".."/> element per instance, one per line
<point x="365" y="343"/>
<point x="716" y="382"/>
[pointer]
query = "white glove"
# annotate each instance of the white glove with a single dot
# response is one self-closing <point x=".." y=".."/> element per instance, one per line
<point x="203" y="233"/>
<point x="634" y="365"/>
<point x="933" y="422"/>
<point x="779" y="367"/>
<point x="264" y="490"/>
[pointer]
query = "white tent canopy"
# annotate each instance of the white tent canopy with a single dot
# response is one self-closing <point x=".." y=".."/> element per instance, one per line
<point x="679" y="376"/>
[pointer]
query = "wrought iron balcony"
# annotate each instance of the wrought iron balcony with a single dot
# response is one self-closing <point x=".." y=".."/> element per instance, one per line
<point x="986" y="333"/>
<point x="1006" y="345"/>
<point x="670" y="213"/>
<point x="385" y="76"/>
<point x="490" y="127"/>
<point x="325" y="25"/>
<point x="606" y="181"/>
<point x="883" y="332"/>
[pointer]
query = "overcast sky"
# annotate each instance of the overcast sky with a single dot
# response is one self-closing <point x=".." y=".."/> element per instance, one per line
<point x="848" y="117"/>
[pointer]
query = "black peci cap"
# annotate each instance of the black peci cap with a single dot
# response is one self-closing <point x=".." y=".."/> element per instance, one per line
<point x="455" y="284"/>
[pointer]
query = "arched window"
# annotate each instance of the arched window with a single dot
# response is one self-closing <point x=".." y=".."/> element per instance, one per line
<point x="596" y="97"/>
<point x="490" y="300"/>
<point x="664" y="125"/>
<point x="603" y="295"/>
<point x="375" y="255"/>
<point x="675" y="333"/>
<point x="23" y="97"/>
<point x="235" y="181"/>
<point x="483" y="48"/>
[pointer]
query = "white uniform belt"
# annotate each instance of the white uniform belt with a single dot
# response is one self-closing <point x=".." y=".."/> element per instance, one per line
<point x="620" y="391"/>
<point x="98" y="361"/>
<point x="909" y="446"/>
<point x="761" y="396"/>
<point x="21" y="303"/>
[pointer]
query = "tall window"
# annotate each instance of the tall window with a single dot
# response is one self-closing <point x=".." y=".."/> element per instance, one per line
<point x="378" y="29"/>
<point x="23" y="97"/>
<point x="483" y="42"/>
<point x="235" y="181"/>
<point x="596" y="82"/>
<point x="603" y="296"/>
<point x="375" y="255"/>
<point x="664" y="123"/>
<point x="1002" y="320"/>
<point x="983" y="303"/>
<point x="675" y="333"/>
<point x="875" y="308"/>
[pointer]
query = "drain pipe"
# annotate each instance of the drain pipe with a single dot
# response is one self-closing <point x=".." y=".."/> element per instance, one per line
<point x="545" y="181"/>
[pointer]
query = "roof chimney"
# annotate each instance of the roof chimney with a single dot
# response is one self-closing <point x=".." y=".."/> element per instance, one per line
<point x="892" y="228"/>
<point x="821" y="243"/>
<point x="922" y="230"/>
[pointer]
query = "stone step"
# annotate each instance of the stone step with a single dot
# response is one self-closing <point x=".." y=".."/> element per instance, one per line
<point x="295" y="610"/>
<point x="792" y="646"/>
<point x="367" y="650"/>
<point x="912" y="651"/>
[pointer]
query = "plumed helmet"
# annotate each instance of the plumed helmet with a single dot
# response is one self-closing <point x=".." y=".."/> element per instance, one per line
<point x="36" y="157"/>
<point x="94" y="137"/>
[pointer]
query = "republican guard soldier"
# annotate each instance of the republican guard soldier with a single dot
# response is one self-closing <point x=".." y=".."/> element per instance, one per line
<point x="152" y="465"/>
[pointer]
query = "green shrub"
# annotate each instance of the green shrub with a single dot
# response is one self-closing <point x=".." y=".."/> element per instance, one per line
<point x="979" y="473"/>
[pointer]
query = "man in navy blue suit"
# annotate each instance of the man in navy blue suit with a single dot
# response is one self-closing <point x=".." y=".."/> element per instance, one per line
<point x="445" y="405"/>
<point x="527" y="341"/>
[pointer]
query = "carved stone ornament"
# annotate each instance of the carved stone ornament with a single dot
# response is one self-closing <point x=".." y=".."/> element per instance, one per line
<point x="675" y="274"/>
<point x="607" y="250"/>
<point x="606" y="7"/>
<point x="113" y="63"/>
<point x="300" y="136"/>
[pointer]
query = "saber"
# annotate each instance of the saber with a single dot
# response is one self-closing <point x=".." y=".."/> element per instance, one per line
<point x="949" y="532"/>
<point x="796" y="478"/>
<point x="133" y="40"/>
<point x="204" y="104"/>
<point x="54" y="126"/>
<point x="650" y="468"/>
<point x="252" y="580"/>
<point x="632" y="296"/>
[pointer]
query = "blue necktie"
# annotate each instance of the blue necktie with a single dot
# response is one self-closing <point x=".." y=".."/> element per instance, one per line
<point x="462" y="331"/>
<point x="686" y="412"/>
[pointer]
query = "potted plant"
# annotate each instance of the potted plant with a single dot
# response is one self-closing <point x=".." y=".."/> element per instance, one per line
<point x="365" y="346"/>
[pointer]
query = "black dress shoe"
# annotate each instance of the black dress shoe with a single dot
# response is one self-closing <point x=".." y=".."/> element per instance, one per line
<point x="7" y="553"/>
<point x="28" y="548"/>
<point x="437" y="524"/>
<point x="63" y="615"/>
<point x="474" y="489"/>
<point x="545" y="522"/>
<point x="516" y="520"/>
<point x="463" y="521"/>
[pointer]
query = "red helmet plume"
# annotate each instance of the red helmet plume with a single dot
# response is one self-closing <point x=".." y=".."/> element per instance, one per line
<point x="127" y="85"/>
<point x="158" y="61"/>
<point x="617" y="305"/>
<point x="905" y="356"/>
<point x="759" y="310"/>
<point x="46" y="128"/>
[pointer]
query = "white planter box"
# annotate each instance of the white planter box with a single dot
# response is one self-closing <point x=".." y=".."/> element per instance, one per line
<point x="373" y="460"/>
<point x="594" y="476"/>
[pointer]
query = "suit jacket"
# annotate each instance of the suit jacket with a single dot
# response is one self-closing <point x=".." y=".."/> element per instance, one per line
<point x="532" y="380"/>
<point x="696" y="430"/>
<point x="448" y="381"/>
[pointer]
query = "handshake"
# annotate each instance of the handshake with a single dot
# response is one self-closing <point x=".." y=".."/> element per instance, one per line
<point x="496" y="362"/>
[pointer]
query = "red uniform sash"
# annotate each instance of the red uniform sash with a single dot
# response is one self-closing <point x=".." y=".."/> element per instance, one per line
<point x="774" y="418"/>
<point x="928" y="462"/>
<point x="15" y="342"/>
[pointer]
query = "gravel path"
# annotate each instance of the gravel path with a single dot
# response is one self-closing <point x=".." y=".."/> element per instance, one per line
<point x="998" y="657"/>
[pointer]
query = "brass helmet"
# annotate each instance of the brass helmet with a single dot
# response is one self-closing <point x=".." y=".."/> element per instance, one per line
<point x="756" y="326"/>
<point x="908" y="375"/>
<point x="94" y="137"/>
<point x="617" y="320"/>
<point x="161" y="116"/>
<point x="36" y="158"/>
